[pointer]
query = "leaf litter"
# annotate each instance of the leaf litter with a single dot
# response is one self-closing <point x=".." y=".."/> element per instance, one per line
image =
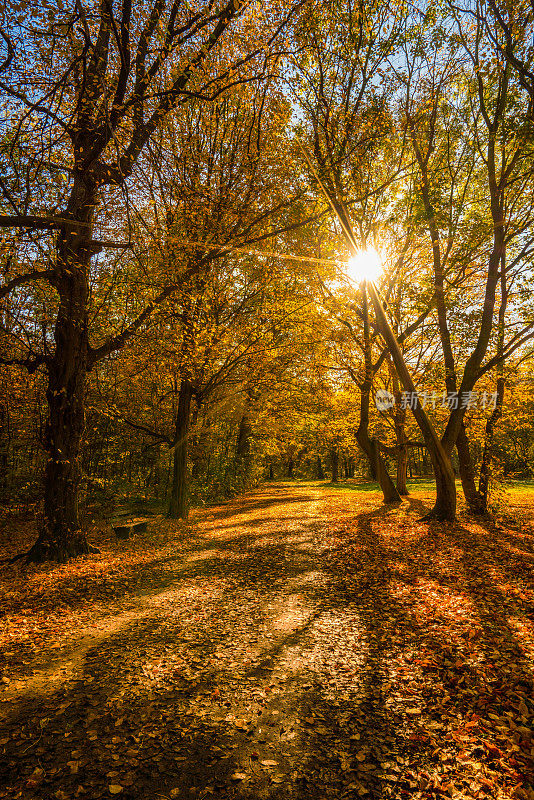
<point x="297" y="643"/>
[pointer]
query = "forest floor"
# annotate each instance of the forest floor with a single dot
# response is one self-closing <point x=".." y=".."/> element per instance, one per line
<point x="301" y="642"/>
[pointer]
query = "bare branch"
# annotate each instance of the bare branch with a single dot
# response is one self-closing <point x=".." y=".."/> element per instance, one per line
<point x="10" y="51"/>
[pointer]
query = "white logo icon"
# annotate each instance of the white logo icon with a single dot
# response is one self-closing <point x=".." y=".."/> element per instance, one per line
<point x="384" y="400"/>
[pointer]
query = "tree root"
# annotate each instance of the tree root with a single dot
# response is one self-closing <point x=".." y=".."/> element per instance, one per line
<point x="437" y="516"/>
<point x="43" y="551"/>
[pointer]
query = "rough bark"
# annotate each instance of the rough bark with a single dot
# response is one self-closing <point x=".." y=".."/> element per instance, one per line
<point x="334" y="464"/>
<point x="243" y="436"/>
<point x="61" y="536"/>
<point x="179" y="499"/>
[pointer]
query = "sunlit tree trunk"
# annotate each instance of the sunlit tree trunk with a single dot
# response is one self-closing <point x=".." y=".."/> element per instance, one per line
<point x="376" y="462"/>
<point x="485" y="467"/>
<point x="445" y="504"/>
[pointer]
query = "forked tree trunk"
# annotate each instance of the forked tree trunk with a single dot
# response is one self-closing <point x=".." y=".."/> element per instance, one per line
<point x="377" y="465"/>
<point x="445" y="505"/>
<point x="453" y="430"/>
<point x="179" y="490"/>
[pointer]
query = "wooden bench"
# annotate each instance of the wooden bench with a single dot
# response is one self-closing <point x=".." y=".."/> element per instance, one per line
<point x="125" y="528"/>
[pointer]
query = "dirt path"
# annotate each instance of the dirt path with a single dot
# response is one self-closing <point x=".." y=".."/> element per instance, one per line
<point x="299" y="643"/>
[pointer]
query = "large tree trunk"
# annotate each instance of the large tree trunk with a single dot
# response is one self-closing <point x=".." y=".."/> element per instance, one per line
<point x="242" y="450"/>
<point x="334" y="464"/>
<point x="320" y="470"/>
<point x="243" y="436"/>
<point x="377" y="465"/>
<point x="179" y="500"/>
<point x="61" y="536"/>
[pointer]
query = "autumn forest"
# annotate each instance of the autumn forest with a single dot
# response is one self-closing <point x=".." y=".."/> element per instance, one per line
<point x="266" y="399"/>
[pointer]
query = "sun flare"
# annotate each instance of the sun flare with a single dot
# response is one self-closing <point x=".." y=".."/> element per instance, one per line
<point x="366" y="265"/>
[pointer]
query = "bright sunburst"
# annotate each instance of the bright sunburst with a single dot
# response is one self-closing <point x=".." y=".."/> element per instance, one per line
<point x="366" y="265"/>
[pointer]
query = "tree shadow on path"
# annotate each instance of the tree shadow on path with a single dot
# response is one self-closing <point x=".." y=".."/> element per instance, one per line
<point x="370" y="658"/>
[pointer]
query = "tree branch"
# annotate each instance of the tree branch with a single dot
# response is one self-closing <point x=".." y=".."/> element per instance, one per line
<point x="32" y="221"/>
<point x="20" y="280"/>
<point x="31" y="364"/>
<point x="117" y="342"/>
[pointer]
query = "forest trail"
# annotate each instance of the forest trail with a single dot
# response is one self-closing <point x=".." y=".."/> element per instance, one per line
<point x="300" y="642"/>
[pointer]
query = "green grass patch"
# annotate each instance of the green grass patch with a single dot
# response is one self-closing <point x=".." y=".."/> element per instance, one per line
<point x="522" y="487"/>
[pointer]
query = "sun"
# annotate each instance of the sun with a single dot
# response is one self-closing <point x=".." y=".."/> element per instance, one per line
<point x="365" y="265"/>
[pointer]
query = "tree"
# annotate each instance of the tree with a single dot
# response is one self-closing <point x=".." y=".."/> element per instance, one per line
<point x="468" y="139"/>
<point x="93" y="84"/>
